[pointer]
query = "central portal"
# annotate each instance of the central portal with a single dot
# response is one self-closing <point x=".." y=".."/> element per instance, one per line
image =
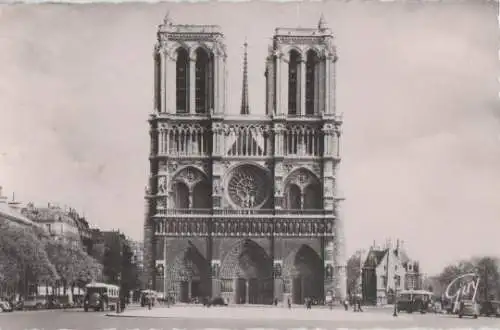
<point x="251" y="270"/>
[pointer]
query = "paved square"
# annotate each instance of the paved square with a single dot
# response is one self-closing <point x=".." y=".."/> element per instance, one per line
<point x="261" y="313"/>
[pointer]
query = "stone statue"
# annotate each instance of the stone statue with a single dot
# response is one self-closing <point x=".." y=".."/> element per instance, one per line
<point x="215" y="270"/>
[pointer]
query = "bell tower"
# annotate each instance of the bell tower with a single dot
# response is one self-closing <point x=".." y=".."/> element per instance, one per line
<point x="300" y="74"/>
<point x="190" y="72"/>
<point x="189" y="94"/>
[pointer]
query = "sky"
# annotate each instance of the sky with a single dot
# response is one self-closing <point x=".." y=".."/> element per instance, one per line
<point x="417" y="84"/>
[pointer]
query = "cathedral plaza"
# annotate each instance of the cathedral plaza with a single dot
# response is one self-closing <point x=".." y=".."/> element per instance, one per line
<point x="242" y="206"/>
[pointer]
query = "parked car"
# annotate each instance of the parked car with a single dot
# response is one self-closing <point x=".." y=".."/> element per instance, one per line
<point x="490" y="308"/>
<point x="5" y="305"/>
<point x="414" y="301"/>
<point x="468" y="308"/>
<point x="34" y="302"/>
<point x="218" y="301"/>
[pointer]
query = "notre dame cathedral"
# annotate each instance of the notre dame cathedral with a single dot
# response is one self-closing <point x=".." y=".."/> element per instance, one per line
<point x="244" y="206"/>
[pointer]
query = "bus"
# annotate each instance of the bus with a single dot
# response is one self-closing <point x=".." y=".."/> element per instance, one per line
<point x="414" y="301"/>
<point x="101" y="297"/>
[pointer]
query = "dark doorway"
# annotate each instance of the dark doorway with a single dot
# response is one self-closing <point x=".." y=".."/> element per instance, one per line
<point x="196" y="289"/>
<point x="253" y="291"/>
<point x="241" y="291"/>
<point x="184" y="292"/>
<point x="297" y="297"/>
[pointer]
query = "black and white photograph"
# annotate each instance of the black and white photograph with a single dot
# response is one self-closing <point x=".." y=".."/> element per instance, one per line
<point x="249" y="165"/>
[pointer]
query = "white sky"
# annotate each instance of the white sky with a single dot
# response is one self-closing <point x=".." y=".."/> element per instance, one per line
<point x="417" y="84"/>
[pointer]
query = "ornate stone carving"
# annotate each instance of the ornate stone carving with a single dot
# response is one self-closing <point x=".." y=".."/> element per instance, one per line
<point x="161" y="203"/>
<point x="172" y="166"/>
<point x="162" y="166"/>
<point x="248" y="187"/>
<point x="215" y="269"/>
<point x="189" y="176"/>
<point x="162" y="185"/>
<point x="279" y="128"/>
<point x="287" y="168"/>
<point x="328" y="271"/>
<point x="277" y="270"/>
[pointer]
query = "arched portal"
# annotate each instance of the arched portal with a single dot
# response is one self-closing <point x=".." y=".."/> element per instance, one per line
<point x="189" y="275"/>
<point x="249" y="269"/>
<point x="303" y="269"/>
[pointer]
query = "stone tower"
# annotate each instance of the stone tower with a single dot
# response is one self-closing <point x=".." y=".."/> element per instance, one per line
<point x="301" y="100"/>
<point x="244" y="206"/>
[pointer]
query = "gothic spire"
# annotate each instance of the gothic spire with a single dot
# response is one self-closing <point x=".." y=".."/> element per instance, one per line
<point x="167" y="20"/>
<point x="245" y="109"/>
<point x="322" y="23"/>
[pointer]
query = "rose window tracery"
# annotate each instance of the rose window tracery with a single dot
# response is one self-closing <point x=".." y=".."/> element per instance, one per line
<point x="247" y="187"/>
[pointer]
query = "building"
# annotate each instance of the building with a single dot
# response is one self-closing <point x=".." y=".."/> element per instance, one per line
<point x="84" y="230"/>
<point x="60" y="223"/>
<point x="137" y="248"/>
<point x="245" y="206"/>
<point x="11" y="212"/>
<point x="386" y="271"/>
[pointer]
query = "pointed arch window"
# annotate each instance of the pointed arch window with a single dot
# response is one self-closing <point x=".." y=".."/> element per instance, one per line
<point x="182" y="87"/>
<point x="203" y="75"/>
<point x="311" y="78"/>
<point x="181" y="196"/>
<point x="293" y="197"/>
<point x="293" y="82"/>
<point x="157" y="60"/>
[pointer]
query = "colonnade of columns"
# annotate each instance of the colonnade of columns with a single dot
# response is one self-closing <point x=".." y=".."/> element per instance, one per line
<point x="183" y="141"/>
<point x="215" y="92"/>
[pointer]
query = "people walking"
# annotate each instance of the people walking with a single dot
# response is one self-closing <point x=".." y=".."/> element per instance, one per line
<point x="358" y="302"/>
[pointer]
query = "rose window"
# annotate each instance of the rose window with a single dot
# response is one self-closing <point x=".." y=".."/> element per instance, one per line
<point x="247" y="187"/>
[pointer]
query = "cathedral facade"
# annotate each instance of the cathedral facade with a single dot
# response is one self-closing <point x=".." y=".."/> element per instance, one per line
<point x="244" y="206"/>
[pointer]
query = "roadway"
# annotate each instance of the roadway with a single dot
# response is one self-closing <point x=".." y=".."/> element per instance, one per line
<point x="77" y="319"/>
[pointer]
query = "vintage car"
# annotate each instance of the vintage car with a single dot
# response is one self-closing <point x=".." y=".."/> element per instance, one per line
<point x="468" y="308"/>
<point x="490" y="308"/>
<point x="5" y="305"/>
<point x="414" y="301"/>
<point x="34" y="302"/>
<point x="101" y="297"/>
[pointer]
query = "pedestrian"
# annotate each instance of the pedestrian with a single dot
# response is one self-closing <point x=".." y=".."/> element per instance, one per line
<point x="346" y="304"/>
<point x="358" y="300"/>
<point x="275" y="301"/>
<point x="289" y="303"/>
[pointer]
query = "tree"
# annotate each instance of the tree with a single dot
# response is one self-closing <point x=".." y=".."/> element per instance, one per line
<point x="354" y="272"/>
<point x="485" y="267"/>
<point x="489" y="277"/>
<point x="119" y="266"/>
<point x="72" y="263"/>
<point x="23" y="257"/>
